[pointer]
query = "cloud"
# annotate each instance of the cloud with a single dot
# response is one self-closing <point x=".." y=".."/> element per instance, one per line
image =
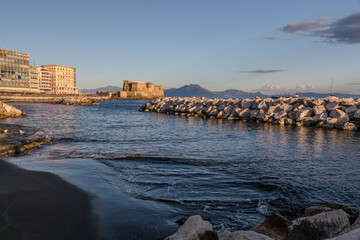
<point x="275" y="88"/>
<point x="345" y="30"/>
<point x="271" y="38"/>
<point x="301" y="28"/>
<point x="262" y="71"/>
<point x="305" y="88"/>
<point x="356" y="83"/>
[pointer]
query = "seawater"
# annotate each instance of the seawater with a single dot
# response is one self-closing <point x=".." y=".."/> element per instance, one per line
<point x="232" y="173"/>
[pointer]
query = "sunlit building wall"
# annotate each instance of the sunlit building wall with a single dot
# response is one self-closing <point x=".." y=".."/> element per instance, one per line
<point x="62" y="79"/>
<point x="14" y="70"/>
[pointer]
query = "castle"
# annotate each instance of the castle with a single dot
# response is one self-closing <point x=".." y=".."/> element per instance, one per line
<point x="140" y="90"/>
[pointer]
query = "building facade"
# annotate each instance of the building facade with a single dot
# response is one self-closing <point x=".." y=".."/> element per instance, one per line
<point x="44" y="80"/>
<point x="34" y="80"/>
<point x="14" y="70"/>
<point x="62" y="79"/>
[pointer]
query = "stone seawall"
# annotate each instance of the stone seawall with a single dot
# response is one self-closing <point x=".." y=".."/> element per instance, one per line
<point x="330" y="112"/>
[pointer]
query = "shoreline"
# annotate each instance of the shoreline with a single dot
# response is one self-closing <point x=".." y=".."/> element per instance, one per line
<point x="41" y="205"/>
<point x="36" y="204"/>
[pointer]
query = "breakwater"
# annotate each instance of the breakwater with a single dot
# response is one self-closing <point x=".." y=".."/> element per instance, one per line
<point x="330" y="112"/>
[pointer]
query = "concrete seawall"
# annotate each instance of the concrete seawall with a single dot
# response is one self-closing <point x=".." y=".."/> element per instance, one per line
<point x="330" y="112"/>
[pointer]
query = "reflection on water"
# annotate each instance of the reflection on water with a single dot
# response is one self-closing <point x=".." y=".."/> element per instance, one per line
<point x="231" y="172"/>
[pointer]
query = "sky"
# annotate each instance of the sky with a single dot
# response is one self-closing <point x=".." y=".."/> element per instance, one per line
<point x="252" y="45"/>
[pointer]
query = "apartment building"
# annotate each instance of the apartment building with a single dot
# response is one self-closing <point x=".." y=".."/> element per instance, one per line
<point x="44" y="80"/>
<point x="62" y="79"/>
<point x="14" y="70"/>
<point x="34" y="80"/>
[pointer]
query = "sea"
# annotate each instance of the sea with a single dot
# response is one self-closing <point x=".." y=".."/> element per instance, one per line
<point x="146" y="170"/>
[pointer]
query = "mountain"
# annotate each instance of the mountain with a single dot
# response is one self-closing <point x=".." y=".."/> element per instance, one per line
<point x="104" y="89"/>
<point x="194" y="90"/>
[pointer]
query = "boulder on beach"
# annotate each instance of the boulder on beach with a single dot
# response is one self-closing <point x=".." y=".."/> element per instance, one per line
<point x="275" y="226"/>
<point x="194" y="228"/>
<point x="9" y="111"/>
<point x="320" y="226"/>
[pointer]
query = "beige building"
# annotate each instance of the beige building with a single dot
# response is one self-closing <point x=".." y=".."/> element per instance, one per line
<point x="34" y="80"/>
<point x="44" y="80"/>
<point x="62" y="79"/>
<point x="140" y="90"/>
<point x="14" y="70"/>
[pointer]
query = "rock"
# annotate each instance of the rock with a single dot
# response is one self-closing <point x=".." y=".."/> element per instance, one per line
<point x="355" y="225"/>
<point x="332" y="106"/>
<point x="306" y="112"/>
<point x="352" y="235"/>
<point x="319" y="109"/>
<point x="341" y="116"/>
<point x="244" y="113"/>
<point x="9" y="111"/>
<point x="320" y="226"/>
<point x="313" y="210"/>
<point x="321" y="117"/>
<point x="280" y="114"/>
<point x="241" y="235"/>
<point x="254" y="113"/>
<point x="194" y="228"/>
<point x="275" y="226"/>
<point x="357" y="114"/>
<point x="349" y="126"/>
<point x="351" y="109"/>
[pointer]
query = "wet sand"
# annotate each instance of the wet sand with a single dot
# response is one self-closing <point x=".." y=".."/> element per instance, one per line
<point x="41" y="205"/>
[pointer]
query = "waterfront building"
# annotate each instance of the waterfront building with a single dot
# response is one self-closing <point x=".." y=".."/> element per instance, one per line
<point x="62" y="79"/>
<point x="14" y="70"/>
<point x="34" y="80"/>
<point x="140" y="90"/>
<point x="44" y="80"/>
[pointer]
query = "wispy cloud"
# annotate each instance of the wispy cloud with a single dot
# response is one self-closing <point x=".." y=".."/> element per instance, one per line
<point x="345" y="30"/>
<point x="355" y="83"/>
<point x="273" y="88"/>
<point x="271" y="38"/>
<point x="262" y="71"/>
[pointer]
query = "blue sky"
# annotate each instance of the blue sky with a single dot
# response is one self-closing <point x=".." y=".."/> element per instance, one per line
<point x="272" y="46"/>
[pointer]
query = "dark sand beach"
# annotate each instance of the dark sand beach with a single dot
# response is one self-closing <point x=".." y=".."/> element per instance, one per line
<point x="40" y="205"/>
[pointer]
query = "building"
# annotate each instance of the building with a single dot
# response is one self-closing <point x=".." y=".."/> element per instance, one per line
<point x="140" y="90"/>
<point x="44" y="80"/>
<point x="34" y="80"/>
<point x="62" y="79"/>
<point x="14" y="68"/>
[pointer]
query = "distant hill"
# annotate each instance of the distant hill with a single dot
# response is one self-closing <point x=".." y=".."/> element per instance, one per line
<point x="195" y="90"/>
<point x="104" y="89"/>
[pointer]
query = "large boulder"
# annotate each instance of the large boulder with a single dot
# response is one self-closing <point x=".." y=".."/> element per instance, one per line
<point x="223" y="234"/>
<point x="320" y="226"/>
<point x="333" y="105"/>
<point x="194" y="228"/>
<point x="340" y="115"/>
<point x="9" y="111"/>
<point x="275" y="226"/>
<point x="352" y="235"/>
<point x="303" y="113"/>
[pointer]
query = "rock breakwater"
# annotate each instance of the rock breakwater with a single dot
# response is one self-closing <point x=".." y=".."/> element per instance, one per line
<point x="330" y="112"/>
<point x="75" y="101"/>
<point x="328" y="221"/>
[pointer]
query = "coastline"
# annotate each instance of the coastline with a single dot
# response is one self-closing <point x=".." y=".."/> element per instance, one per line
<point x="41" y="205"/>
<point x="35" y="204"/>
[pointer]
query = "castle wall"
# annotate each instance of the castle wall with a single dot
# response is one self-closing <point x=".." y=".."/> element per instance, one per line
<point x="140" y="90"/>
